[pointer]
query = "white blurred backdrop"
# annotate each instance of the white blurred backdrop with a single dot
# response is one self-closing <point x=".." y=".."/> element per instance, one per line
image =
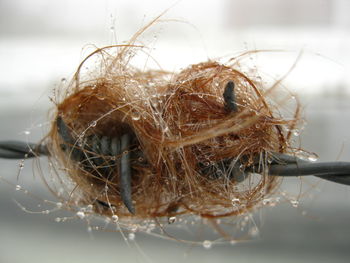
<point x="42" y="42"/>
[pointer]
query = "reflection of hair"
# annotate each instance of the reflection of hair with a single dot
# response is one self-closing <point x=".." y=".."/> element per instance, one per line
<point x="186" y="146"/>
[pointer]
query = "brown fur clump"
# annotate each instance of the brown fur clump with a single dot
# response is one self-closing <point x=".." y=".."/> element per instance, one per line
<point x="182" y="128"/>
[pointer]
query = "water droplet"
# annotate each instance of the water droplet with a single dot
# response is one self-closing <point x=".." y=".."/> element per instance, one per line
<point x="207" y="244"/>
<point x="266" y="201"/>
<point x="171" y="219"/>
<point x="155" y="104"/>
<point x="63" y="80"/>
<point x="233" y="242"/>
<point x="133" y="228"/>
<point x="135" y="115"/>
<point x="294" y="203"/>
<point x="254" y="231"/>
<point x="93" y="124"/>
<point x="131" y="236"/>
<point x="236" y="201"/>
<point x="115" y="218"/>
<point x="26" y="132"/>
<point x="296" y="132"/>
<point x="89" y="208"/>
<point x="18" y="187"/>
<point x="80" y="214"/>
<point x="21" y="164"/>
<point x="46" y="212"/>
<point x="59" y="204"/>
<point x="313" y="157"/>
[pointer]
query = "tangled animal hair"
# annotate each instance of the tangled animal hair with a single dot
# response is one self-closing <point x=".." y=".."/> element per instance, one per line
<point x="186" y="148"/>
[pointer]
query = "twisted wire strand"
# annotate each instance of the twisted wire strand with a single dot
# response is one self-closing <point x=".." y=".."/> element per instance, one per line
<point x="21" y="150"/>
<point x="282" y="164"/>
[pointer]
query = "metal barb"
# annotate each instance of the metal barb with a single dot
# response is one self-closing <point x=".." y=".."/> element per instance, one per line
<point x="125" y="173"/>
<point x="229" y="97"/>
<point x="64" y="131"/>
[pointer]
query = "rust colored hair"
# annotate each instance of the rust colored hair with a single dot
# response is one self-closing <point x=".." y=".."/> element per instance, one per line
<point x="181" y="124"/>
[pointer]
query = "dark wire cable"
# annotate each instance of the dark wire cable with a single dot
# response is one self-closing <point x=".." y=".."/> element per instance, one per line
<point x="288" y="165"/>
<point x="20" y="150"/>
<point x="282" y="165"/>
<point x="338" y="172"/>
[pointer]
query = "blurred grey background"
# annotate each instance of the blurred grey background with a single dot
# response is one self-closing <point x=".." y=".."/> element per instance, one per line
<point x="41" y="44"/>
